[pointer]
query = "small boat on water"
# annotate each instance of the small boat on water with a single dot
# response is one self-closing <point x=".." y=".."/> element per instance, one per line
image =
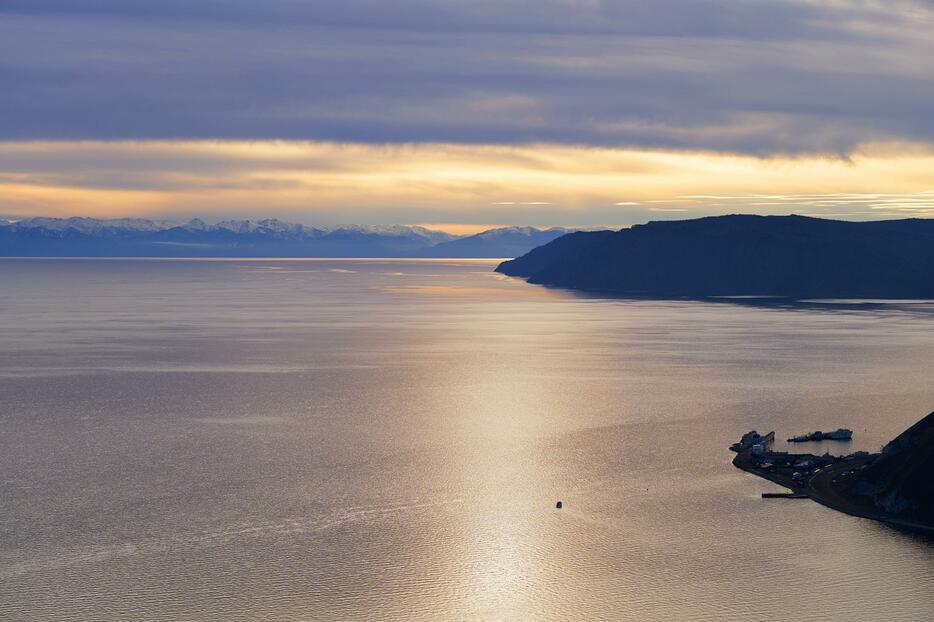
<point x="841" y="434"/>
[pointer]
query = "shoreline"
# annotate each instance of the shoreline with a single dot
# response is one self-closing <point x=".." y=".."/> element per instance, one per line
<point x="822" y="488"/>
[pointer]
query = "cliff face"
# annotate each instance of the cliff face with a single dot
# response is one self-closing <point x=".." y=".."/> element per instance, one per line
<point x="901" y="480"/>
<point x="790" y="256"/>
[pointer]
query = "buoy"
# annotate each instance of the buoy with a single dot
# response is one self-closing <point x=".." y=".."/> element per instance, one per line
<point x="558" y="505"/>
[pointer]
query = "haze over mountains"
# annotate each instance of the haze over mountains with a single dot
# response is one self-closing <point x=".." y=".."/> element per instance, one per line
<point x="742" y="255"/>
<point x="135" y="237"/>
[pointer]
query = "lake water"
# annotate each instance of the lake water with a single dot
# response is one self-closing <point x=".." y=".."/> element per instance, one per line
<point x="386" y="440"/>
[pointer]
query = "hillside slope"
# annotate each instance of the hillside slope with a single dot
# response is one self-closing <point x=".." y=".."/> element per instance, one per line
<point x="791" y="256"/>
<point x="901" y="480"/>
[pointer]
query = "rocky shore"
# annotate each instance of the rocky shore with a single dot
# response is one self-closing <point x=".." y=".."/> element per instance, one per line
<point x="893" y="486"/>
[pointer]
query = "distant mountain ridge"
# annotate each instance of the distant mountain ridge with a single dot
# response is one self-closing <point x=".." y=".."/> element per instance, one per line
<point x="742" y="255"/>
<point x="138" y="237"/>
<point x="508" y="242"/>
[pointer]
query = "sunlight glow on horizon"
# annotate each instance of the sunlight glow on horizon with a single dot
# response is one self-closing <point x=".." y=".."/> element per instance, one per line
<point x="457" y="187"/>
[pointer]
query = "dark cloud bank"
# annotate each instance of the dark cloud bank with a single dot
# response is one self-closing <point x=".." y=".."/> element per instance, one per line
<point x="731" y="75"/>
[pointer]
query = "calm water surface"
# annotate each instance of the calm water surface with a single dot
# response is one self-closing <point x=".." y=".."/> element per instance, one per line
<point x="386" y="440"/>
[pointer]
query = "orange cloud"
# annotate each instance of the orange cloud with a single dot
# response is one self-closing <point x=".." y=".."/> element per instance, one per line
<point x="450" y="184"/>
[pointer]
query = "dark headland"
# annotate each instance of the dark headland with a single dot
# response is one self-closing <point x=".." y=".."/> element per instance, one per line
<point x="895" y="486"/>
<point x="742" y="255"/>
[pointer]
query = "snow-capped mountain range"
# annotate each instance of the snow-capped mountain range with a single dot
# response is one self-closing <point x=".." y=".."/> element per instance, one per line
<point x="139" y="237"/>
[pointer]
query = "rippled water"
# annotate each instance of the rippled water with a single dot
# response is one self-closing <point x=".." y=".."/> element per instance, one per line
<point x="305" y="440"/>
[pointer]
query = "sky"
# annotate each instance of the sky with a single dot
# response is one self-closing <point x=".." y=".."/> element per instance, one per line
<point x="464" y="114"/>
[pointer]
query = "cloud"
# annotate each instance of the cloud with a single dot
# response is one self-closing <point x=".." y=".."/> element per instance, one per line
<point x="789" y="76"/>
<point x="840" y="204"/>
<point x="544" y="184"/>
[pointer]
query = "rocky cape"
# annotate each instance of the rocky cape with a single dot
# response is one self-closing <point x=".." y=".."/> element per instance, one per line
<point x="901" y="480"/>
<point x="742" y="255"/>
<point x="894" y="486"/>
